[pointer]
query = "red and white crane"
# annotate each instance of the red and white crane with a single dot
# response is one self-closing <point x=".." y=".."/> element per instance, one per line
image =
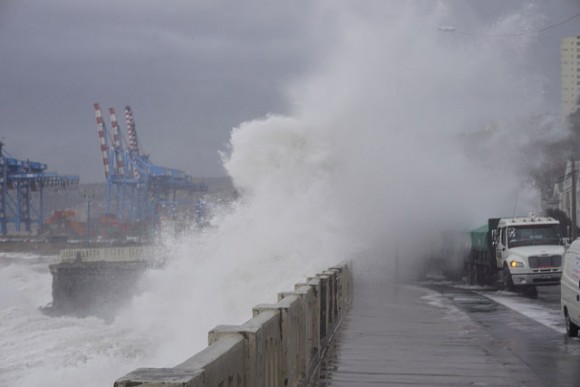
<point x="120" y="164"/>
<point x="132" y="138"/>
<point x="138" y="189"/>
<point x="103" y="142"/>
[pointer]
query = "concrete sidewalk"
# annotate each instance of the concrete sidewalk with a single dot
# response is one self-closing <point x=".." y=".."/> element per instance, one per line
<point x="407" y="335"/>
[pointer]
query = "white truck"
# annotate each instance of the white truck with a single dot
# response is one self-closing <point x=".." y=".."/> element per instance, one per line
<point x="522" y="252"/>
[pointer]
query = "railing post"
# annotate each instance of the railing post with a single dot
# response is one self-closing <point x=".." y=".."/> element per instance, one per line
<point x="324" y="308"/>
<point x="289" y="309"/>
<point x="262" y="345"/>
<point x="314" y="283"/>
<point x="307" y="346"/>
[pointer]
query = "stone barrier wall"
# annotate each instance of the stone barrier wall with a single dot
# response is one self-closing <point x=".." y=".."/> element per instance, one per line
<point x="282" y="345"/>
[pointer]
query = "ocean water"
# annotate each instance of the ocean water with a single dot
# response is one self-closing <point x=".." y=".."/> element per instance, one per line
<point x="369" y="164"/>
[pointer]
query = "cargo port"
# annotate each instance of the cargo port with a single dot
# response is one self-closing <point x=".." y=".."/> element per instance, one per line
<point x="137" y="200"/>
<point x="102" y="235"/>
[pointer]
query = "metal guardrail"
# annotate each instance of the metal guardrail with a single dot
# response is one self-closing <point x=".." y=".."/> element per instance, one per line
<point x="282" y="345"/>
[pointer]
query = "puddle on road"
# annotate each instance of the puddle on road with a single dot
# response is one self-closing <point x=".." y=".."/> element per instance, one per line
<point x="466" y="300"/>
<point x="475" y="304"/>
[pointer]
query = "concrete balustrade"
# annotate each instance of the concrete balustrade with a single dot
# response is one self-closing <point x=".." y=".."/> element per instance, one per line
<point x="289" y="310"/>
<point x="262" y="347"/>
<point x="281" y="345"/>
<point x="308" y="332"/>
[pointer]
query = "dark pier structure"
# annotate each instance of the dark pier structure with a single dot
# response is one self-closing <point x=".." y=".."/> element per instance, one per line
<point x="97" y="282"/>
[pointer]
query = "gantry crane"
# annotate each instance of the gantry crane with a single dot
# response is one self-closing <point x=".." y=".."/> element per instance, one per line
<point x="138" y="190"/>
<point x="22" y="184"/>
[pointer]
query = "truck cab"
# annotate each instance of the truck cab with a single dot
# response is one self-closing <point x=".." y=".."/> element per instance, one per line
<point x="528" y="251"/>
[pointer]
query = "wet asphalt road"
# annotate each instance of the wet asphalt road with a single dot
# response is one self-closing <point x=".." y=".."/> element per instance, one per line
<point x="445" y="334"/>
<point x="552" y="357"/>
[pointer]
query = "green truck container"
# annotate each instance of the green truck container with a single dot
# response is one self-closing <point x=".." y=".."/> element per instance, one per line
<point x="480" y="264"/>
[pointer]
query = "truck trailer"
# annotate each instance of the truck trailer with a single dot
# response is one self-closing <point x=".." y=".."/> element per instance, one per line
<point x="521" y="252"/>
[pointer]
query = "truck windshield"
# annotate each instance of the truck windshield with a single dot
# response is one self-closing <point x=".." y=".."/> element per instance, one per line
<point x="533" y="235"/>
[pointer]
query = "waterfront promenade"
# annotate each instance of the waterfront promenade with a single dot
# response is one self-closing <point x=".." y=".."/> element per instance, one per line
<point x="397" y="334"/>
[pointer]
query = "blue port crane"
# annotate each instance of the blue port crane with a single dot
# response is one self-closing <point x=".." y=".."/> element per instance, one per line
<point x="139" y="191"/>
<point x="22" y="184"/>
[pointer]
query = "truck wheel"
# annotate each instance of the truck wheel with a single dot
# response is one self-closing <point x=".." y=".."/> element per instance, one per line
<point x="470" y="274"/>
<point x="571" y="328"/>
<point x="488" y="276"/>
<point x="480" y="275"/>
<point x="508" y="283"/>
<point x="531" y="291"/>
<point x="491" y="276"/>
<point x="466" y="272"/>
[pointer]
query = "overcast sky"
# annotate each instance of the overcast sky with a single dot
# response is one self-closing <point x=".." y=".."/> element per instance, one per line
<point x="191" y="70"/>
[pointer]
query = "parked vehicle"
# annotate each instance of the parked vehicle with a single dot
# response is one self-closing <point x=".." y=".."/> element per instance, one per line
<point x="522" y="252"/>
<point x="570" y="289"/>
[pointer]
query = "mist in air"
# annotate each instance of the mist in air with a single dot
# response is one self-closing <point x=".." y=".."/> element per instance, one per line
<point x="376" y="155"/>
<point x="401" y="132"/>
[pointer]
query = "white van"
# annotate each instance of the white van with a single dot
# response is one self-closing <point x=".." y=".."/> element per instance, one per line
<point x="570" y="289"/>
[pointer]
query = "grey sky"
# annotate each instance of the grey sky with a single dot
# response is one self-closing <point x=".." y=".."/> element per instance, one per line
<point x="191" y="70"/>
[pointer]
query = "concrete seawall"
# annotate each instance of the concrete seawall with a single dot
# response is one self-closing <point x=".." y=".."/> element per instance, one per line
<point x="282" y="345"/>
